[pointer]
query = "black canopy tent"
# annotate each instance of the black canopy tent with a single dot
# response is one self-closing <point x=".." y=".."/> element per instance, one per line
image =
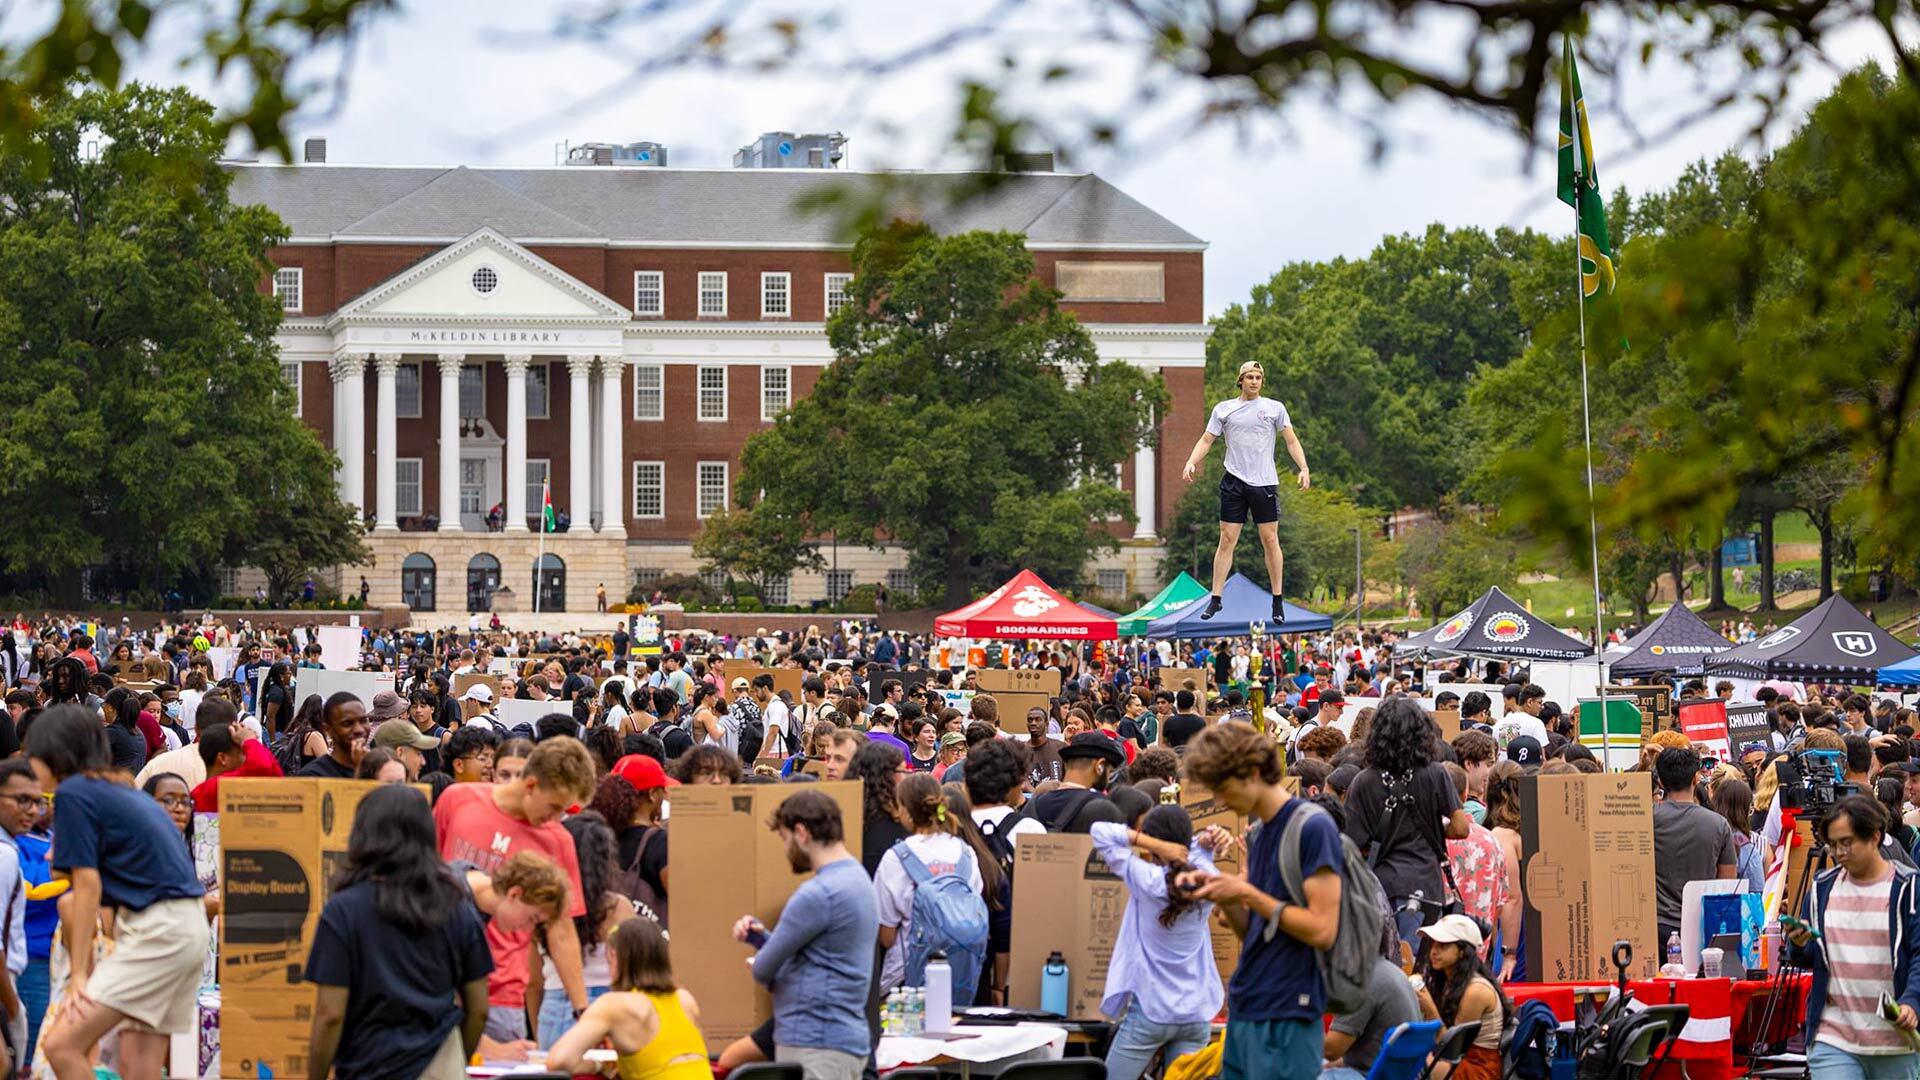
<point x="1676" y="643"/>
<point x="1495" y="626"/>
<point x="1833" y="641"/>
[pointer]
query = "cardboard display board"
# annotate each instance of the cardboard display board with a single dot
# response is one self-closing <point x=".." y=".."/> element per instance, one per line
<point x="1448" y="721"/>
<point x="1176" y="678"/>
<point x="1704" y="723"/>
<point x="1586" y="852"/>
<point x="1205" y="810"/>
<point x="361" y="684"/>
<point x="1747" y="722"/>
<point x="1065" y="900"/>
<point x="464" y="683"/>
<point x="339" y="647"/>
<point x="1498" y="705"/>
<point x="1655" y="700"/>
<point x="713" y="826"/>
<point x="1017" y="690"/>
<point x="280" y="842"/>
<point x="785" y="680"/>
<point x="511" y="711"/>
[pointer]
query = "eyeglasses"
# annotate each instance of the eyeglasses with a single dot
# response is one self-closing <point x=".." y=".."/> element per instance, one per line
<point x="29" y="802"/>
<point x="172" y="801"/>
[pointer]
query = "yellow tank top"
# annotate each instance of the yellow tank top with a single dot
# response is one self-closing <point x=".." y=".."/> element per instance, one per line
<point x="677" y="1038"/>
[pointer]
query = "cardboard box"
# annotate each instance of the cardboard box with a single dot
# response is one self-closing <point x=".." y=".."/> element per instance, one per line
<point x="1586" y="852"/>
<point x="713" y="827"/>
<point x="1176" y="679"/>
<point x="280" y="843"/>
<point x="1205" y="810"/>
<point x="1017" y="690"/>
<point x="1065" y="900"/>
<point x="1448" y="721"/>
<point x="463" y="683"/>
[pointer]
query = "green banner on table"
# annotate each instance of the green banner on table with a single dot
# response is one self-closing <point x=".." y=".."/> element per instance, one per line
<point x="1623" y="723"/>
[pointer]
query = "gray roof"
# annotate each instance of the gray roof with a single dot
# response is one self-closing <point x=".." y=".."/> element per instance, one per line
<point x="693" y="207"/>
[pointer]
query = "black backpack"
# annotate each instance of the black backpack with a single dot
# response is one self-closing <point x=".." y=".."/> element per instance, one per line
<point x="999" y="839"/>
<point x="286" y="752"/>
<point x="753" y="733"/>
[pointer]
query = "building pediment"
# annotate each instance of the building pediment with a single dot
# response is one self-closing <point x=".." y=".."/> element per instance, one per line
<point x="484" y="278"/>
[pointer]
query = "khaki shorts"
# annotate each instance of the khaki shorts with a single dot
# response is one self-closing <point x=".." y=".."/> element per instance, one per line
<point x="153" y="974"/>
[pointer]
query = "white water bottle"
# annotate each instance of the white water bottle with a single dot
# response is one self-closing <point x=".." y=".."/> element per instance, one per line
<point x="939" y="994"/>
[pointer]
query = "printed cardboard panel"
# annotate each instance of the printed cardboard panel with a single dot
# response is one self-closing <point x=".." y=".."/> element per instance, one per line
<point x="1205" y="809"/>
<point x="1065" y="900"/>
<point x="1586" y="852"/>
<point x="1013" y="710"/>
<point x="1747" y="722"/>
<point x="1177" y="678"/>
<point x="1017" y="690"/>
<point x="1448" y="721"/>
<point x="714" y="886"/>
<point x="1705" y="725"/>
<point x="280" y="842"/>
<point x="1656" y="701"/>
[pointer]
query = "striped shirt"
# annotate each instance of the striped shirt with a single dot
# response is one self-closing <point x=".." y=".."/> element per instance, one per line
<point x="1859" y="950"/>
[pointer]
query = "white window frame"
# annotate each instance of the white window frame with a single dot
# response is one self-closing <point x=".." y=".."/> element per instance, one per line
<point x="786" y="390"/>
<point x="480" y="380"/>
<point x="779" y="591"/>
<point x="700" y="393"/>
<point x="545" y="401"/>
<point x="659" y="281"/>
<point x="699" y="486"/>
<point x="784" y="281"/>
<point x="292" y="289"/>
<point x="831" y="284"/>
<point x="293" y="374"/>
<point x="827" y="579"/>
<point x="659" y="469"/>
<point x="401" y="507"/>
<point x="541" y="467"/>
<point x="899" y="579"/>
<point x="1101" y="586"/>
<point x="701" y="294"/>
<point x="659" y="375"/>
<point x="419" y="392"/>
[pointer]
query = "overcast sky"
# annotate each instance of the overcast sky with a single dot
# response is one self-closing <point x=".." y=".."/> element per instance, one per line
<point x="484" y="82"/>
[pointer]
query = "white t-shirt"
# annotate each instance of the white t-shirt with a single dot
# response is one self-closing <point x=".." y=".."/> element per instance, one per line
<point x="994" y="815"/>
<point x="893" y="892"/>
<point x="774" y="717"/>
<point x="1517" y="723"/>
<point x="1250" y="428"/>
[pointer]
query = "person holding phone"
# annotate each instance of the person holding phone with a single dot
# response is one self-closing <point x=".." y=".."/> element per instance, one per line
<point x="1859" y="933"/>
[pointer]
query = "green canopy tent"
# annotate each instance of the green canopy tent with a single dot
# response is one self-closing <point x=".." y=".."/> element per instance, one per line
<point x="1179" y="592"/>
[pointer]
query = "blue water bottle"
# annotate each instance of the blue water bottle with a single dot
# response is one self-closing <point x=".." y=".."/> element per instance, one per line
<point x="1053" y="985"/>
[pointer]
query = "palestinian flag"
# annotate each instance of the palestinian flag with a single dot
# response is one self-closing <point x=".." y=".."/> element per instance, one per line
<point x="1580" y="183"/>
<point x="546" y="506"/>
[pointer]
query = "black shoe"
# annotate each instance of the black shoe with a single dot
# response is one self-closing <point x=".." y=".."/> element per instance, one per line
<point x="1213" y="607"/>
<point x="1279" y="609"/>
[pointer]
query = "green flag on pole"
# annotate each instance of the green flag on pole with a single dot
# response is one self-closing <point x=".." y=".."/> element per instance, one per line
<point x="1580" y="184"/>
<point x="547" y="522"/>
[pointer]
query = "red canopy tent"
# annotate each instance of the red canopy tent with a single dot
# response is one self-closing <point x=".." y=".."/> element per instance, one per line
<point x="1026" y="607"/>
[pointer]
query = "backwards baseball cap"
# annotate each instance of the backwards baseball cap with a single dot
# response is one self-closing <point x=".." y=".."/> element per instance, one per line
<point x="1523" y="750"/>
<point x="1251" y="365"/>
<point x="740" y="683"/>
<point x="397" y="733"/>
<point x="643" y="772"/>
<point x="479" y="692"/>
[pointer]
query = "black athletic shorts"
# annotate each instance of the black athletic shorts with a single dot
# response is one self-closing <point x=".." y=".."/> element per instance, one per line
<point x="1237" y="497"/>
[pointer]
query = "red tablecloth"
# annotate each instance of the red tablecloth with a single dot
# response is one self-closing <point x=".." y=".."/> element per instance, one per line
<point x="1716" y="1019"/>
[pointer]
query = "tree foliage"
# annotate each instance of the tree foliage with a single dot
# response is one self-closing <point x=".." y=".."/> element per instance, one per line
<point x="967" y="417"/>
<point x="1452" y="559"/>
<point x="144" y="423"/>
<point x="756" y="544"/>
<point x="1317" y="529"/>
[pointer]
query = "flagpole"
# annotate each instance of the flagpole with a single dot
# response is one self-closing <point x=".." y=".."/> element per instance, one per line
<point x="540" y="559"/>
<point x="1577" y="113"/>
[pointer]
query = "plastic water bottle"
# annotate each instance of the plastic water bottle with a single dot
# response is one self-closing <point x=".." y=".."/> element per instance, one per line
<point x="1673" y="955"/>
<point x="916" y="1011"/>
<point x="1053" y="985"/>
<point x="890" y="1014"/>
<point x="939" y="994"/>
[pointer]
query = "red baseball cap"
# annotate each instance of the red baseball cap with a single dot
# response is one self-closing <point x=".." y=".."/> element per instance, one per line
<point x="643" y="772"/>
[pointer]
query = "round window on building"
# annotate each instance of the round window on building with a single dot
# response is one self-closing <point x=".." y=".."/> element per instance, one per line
<point x="485" y="280"/>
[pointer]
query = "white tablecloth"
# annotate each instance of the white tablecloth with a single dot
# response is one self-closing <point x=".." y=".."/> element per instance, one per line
<point x="992" y="1042"/>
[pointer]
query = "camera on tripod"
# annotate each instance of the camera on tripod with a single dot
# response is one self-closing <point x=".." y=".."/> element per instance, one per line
<point x="1823" y="782"/>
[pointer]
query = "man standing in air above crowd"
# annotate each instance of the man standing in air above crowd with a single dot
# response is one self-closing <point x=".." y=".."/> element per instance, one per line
<point x="1250" y="424"/>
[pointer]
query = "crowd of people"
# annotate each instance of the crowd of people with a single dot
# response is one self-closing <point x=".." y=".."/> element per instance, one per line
<point x="522" y="908"/>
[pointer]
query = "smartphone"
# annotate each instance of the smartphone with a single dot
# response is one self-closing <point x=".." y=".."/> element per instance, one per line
<point x="757" y="938"/>
<point x="1792" y="923"/>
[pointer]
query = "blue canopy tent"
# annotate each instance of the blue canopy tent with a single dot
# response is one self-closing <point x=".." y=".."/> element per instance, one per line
<point x="1904" y="673"/>
<point x="1242" y="605"/>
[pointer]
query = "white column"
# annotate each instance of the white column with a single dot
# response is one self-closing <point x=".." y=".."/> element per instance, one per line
<point x="516" y="457"/>
<point x="386" y="484"/>
<point x="1146" y="479"/>
<point x="613" y="468"/>
<point x="580" y="442"/>
<point x="339" y="428"/>
<point x="350" y="428"/>
<point x="450" y="441"/>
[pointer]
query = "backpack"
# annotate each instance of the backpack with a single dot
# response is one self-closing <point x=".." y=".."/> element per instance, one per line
<point x="999" y="839"/>
<point x="1531" y="1046"/>
<point x="1345" y="965"/>
<point x="286" y="752"/>
<point x="753" y="730"/>
<point x="948" y="917"/>
<point x="630" y="883"/>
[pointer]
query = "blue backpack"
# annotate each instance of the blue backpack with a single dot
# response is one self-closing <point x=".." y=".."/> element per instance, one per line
<point x="1531" y="1046"/>
<point x="949" y="917"/>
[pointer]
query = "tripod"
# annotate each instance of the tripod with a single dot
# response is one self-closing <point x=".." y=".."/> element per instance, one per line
<point x="1818" y="860"/>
